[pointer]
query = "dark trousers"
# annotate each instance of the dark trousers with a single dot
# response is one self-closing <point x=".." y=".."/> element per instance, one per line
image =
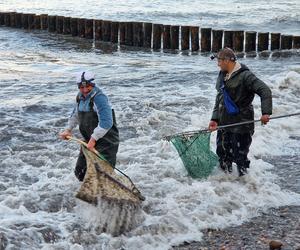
<point x="80" y="168"/>
<point x="233" y="147"/>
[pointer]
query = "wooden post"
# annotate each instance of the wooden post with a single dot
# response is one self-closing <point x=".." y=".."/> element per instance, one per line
<point x="217" y="40"/>
<point x="2" y="18"/>
<point x="89" y="29"/>
<point x="296" y="42"/>
<point x="59" y="24"/>
<point x="51" y="23"/>
<point x="31" y="21"/>
<point x="174" y="37"/>
<point x="205" y="39"/>
<point x="18" y="20"/>
<point x="138" y="36"/>
<point x="7" y="19"/>
<point x="67" y="26"/>
<point x="228" y="39"/>
<point x="37" y="22"/>
<point x="74" y="26"/>
<point x="238" y="40"/>
<point x="98" y="30"/>
<point x="157" y="31"/>
<point x="250" y="45"/>
<point x="122" y="32"/>
<point x="81" y="27"/>
<point x="195" y="38"/>
<point x="44" y="21"/>
<point x="12" y="19"/>
<point x="129" y="33"/>
<point x="114" y="32"/>
<point x="286" y="42"/>
<point x="167" y="37"/>
<point x="106" y="31"/>
<point x="25" y="24"/>
<point x="147" y="35"/>
<point x="263" y="41"/>
<point x="275" y="41"/>
<point x="185" y="37"/>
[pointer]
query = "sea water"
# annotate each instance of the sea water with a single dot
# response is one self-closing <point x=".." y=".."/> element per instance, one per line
<point x="153" y="94"/>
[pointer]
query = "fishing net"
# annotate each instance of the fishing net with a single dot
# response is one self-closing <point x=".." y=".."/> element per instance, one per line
<point x="116" y="200"/>
<point x="101" y="181"/>
<point x="194" y="151"/>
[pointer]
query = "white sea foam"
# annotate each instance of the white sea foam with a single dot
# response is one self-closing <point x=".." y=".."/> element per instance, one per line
<point x="168" y="94"/>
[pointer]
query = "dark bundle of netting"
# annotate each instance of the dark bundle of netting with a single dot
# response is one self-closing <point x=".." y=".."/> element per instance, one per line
<point x="117" y="200"/>
<point x="194" y="151"/>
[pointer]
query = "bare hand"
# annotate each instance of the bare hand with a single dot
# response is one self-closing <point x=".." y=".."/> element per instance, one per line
<point x="65" y="134"/>
<point x="265" y="119"/>
<point x="212" y="126"/>
<point x="91" y="144"/>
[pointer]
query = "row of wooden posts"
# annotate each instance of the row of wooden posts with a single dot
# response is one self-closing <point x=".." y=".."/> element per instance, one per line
<point x="155" y="36"/>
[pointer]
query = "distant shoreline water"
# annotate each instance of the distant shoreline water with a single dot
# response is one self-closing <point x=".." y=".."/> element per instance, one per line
<point x="255" y="15"/>
<point x="153" y="94"/>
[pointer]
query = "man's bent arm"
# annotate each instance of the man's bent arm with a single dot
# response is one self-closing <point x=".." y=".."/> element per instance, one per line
<point x="105" y="118"/>
<point x="260" y="88"/>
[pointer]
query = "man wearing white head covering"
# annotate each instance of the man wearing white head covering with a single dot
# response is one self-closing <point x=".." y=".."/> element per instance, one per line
<point x="96" y="120"/>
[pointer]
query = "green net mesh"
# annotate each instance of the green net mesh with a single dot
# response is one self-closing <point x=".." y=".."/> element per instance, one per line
<point x="195" y="154"/>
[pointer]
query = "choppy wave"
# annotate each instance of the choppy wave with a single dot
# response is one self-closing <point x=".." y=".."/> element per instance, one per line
<point x="153" y="95"/>
<point x="261" y="16"/>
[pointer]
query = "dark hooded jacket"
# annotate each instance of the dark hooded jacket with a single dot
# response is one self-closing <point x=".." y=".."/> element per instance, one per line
<point x="241" y="87"/>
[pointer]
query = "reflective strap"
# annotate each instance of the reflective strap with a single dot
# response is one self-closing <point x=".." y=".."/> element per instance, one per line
<point x="92" y="100"/>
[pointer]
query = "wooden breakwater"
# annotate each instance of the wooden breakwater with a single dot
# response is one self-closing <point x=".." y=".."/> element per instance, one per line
<point x="153" y="36"/>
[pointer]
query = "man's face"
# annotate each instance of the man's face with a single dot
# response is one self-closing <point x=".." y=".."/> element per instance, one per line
<point x="223" y="64"/>
<point x="85" y="90"/>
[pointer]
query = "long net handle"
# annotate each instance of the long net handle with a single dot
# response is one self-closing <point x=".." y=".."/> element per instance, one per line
<point x="191" y="133"/>
<point x="84" y="144"/>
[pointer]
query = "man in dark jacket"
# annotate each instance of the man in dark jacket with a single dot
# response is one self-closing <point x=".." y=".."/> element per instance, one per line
<point x="96" y="120"/>
<point x="236" y="86"/>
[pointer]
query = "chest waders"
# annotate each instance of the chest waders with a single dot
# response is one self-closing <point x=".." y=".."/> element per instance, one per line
<point x="107" y="145"/>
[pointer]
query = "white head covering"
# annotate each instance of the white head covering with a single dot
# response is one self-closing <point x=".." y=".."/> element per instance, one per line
<point x="85" y="76"/>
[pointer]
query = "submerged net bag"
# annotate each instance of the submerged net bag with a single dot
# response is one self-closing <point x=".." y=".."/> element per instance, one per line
<point x="101" y="181"/>
<point x="117" y="200"/>
<point x="194" y="151"/>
